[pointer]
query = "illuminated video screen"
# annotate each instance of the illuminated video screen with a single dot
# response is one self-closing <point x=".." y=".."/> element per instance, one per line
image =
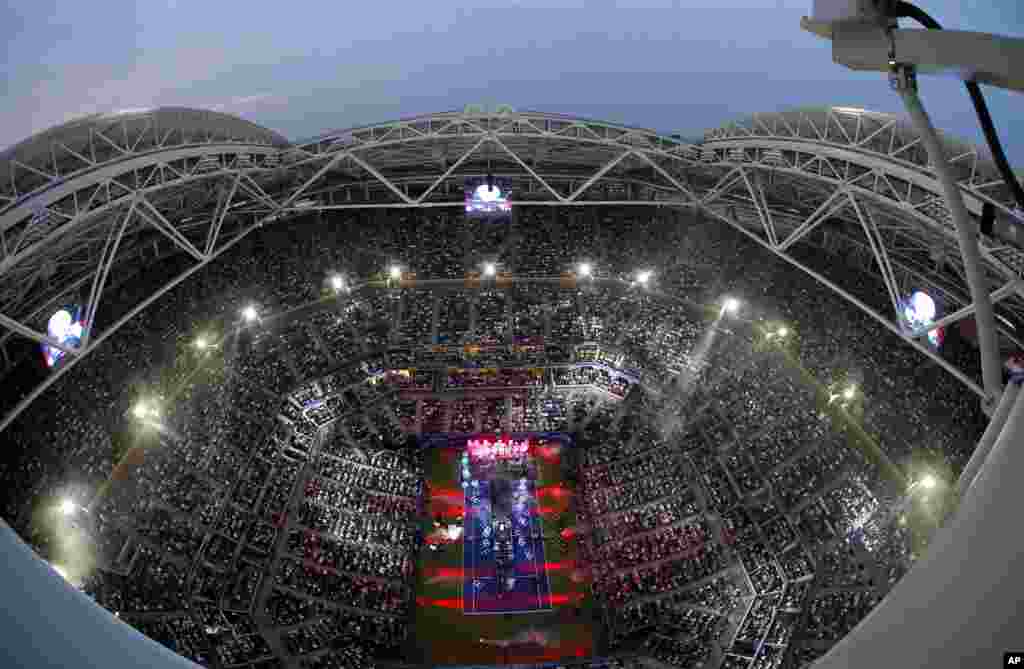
<point x="485" y="199"/>
<point x="919" y="313"/>
<point x="66" y="327"/>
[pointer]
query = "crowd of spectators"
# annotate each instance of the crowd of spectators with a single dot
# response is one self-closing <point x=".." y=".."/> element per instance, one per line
<point x="218" y="503"/>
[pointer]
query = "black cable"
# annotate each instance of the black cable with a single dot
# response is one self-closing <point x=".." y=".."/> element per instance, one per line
<point x="902" y="9"/>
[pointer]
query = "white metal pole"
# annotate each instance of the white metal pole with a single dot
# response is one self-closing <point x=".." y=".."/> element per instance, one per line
<point x="904" y="81"/>
<point x="960" y="605"/>
<point x="988" y="439"/>
<point x="46" y="623"/>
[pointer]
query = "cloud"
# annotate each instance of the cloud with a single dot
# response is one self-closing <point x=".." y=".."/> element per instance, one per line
<point x="239" y="103"/>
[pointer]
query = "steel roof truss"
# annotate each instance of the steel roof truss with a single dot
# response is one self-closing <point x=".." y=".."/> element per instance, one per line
<point x="600" y="173"/>
<point x="878" y="250"/>
<point x="1004" y="291"/>
<point x="158" y="221"/>
<point x="526" y="167"/>
<point x="722" y="187"/>
<point x="38" y="172"/>
<point x="454" y="166"/>
<point x="221" y="212"/>
<point x="25" y="331"/>
<point x="827" y="208"/>
<point x="892" y="327"/>
<point x="253" y="189"/>
<point x="383" y="179"/>
<point x="97" y="133"/>
<point x="763" y="211"/>
<point x="663" y="172"/>
<point x="106" y="260"/>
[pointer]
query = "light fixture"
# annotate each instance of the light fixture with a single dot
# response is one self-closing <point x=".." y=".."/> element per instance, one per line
<point x="928" y="482"/>
<point x="489" y="269"/>
<point x="783" y="332"/>
<point x="201" y="343"/>
<point x="585" y="269"/>
<point x="396" y="272"/>
<point x="731" y="305"/>
<point x="643" y="277"/>
<point x="337" y="282"/>
<point x="141" y="411"/>
<point x="850" y="392"/>
<point x="249" y="313"/>
<point x="67" y="507"/>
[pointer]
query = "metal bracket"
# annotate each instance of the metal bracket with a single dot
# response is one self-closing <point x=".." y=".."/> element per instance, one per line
<point x="902" y="77"/>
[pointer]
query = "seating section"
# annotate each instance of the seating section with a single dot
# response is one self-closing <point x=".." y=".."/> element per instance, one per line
<point x="724" y="518"/>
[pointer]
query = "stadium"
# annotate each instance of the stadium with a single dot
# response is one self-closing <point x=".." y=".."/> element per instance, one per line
<point x="489" y="387"/>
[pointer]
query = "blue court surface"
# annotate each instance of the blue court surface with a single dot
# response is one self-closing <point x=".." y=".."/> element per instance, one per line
<point x="522" y="586"/>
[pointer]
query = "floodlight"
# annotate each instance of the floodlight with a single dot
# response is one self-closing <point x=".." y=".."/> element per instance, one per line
<point x="490" y="269"/>
<point x="337" y="282"/>
<point x="585" y="269"/>
<point x="395" y="272"/>
<point x="67" y="507"/>
<point x="643" y="277"/>
<point x="249" y="313"/>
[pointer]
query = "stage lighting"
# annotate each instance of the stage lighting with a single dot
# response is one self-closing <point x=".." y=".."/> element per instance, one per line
<point x="395" y="272"/>
<point x="585" y="269"/>
<point x="490" y="269"/>
<point x="249" y="313"/>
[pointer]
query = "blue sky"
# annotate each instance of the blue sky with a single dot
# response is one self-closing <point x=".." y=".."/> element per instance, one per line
<point x="305" y="67"/>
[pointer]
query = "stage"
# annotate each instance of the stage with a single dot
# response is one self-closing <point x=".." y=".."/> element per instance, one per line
<point x="497" y="578"/>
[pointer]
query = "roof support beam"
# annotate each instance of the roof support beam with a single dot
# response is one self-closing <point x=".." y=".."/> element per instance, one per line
<point x="527" y="203"/>
<point x="867" y="222"/>
<point x="967" y="236"/>
<point x="335" y="159"/>
<point x="218" y="219"/>
<point x="452" y="168"/>
<point x="86" y="349"/>
<point x="827" y="208"/>
<point x="663" y="172"/>
<point x="892" y="327"/>
<point x="542" y="182"/>
<point x="1006" y="290"/>
<point x="757" y="195"/>
<point x="25" y="331"/>
<point x="597" y="175"/>
<point x="383" y="179"/>
<point x="722" y="187"/>
<point x="102" y="272"/>
<point x="158" y="221"/>
<point x="254" y="190"/>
